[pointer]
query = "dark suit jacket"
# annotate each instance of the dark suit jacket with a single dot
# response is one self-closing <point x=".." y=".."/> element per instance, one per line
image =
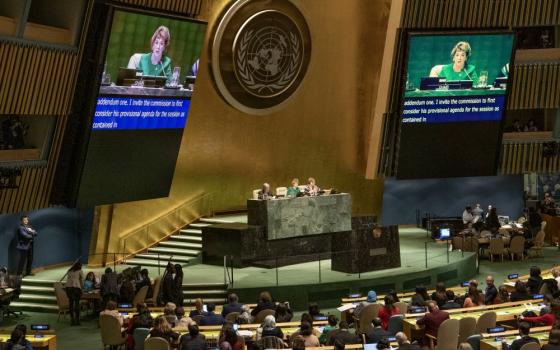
<point x="211" y="319"/>
<point x="263" y="306"/>
<point x="432" y="320"/>
<point x="490" y="295"/>
<point x="412" y="346"/>
<point x="24" y="238"/>
<point x="375" y="335"/>
<point x="517" y="344"/>
<point x="196" y="343"/>
<point x="342" y="335"/>
<point x="229" y="308"/>
<point x="451" y="305"/>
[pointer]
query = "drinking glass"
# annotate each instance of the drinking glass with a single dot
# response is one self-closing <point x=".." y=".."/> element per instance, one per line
<point x="483" y="79"/>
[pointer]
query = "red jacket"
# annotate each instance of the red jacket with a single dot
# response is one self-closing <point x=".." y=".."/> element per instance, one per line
<point x="432" y="320"/>
<point x="384" y="316"/>
<point x="547" y="319"/>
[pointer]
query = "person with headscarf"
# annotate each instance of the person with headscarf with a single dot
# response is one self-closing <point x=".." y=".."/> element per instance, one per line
<point x="371" y="299"/>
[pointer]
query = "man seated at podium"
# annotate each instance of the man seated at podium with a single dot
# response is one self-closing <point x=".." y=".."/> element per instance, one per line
<point x="459" y="69"/>
<point x="312" y="189"/>
<point x="264" y="193"/>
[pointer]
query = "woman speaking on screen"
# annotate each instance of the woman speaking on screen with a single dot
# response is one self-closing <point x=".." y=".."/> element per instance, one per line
<point x="156" y="63"/>
<point x="459" y="69"/>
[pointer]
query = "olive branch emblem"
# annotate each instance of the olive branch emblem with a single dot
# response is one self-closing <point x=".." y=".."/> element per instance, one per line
<point x="247" y="78"/>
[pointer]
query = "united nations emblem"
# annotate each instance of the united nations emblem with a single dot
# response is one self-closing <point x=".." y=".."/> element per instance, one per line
<point x="260" y="53"/>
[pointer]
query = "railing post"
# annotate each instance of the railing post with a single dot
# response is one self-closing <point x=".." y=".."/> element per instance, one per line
<point x="114" y="262"/>
<point x="158" y="265"/>
<point x="319" y="269"/>
<point x="231" y="263"/>
<point x="225" y="270"/>
<point x="276" y="260"/>
<point x="447" y="248"/>
<point x="426" y="252"/>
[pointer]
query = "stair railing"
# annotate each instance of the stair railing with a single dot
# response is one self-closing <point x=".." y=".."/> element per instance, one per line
<point x="153" y="232"/>
<point x="228" y="279"/>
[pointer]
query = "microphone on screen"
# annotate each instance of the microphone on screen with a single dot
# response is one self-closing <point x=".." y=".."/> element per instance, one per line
<point x="467" y="73"/>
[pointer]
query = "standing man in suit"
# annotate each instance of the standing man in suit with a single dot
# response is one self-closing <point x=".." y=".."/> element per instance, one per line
<point x="25" y="237"/>
<point x="432" y="320"/>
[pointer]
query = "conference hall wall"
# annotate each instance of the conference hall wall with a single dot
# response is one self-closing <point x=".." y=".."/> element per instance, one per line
<point x="321" y="132"/>
<point x="63" y="235"/>
<point x="449" y="197"/>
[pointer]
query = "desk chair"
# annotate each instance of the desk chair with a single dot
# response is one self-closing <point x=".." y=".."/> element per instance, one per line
<point x="256" y="194"/>
<point x="395" y="324"/>
<point x="530" y="346"/>
<point x="259" y="318"/>
<point x="403" y="307"/>
<point x="232" y="317"/>
<point x="538" y="244"/>
<point x="496" y="247"/>
<point x="156" y="343"/>
<point x="111" y="332"/>
<point x="467" y="327"/>
<point x="153" y="300"/>
<point x="447" y="335"/>
<point x="140" y="335"/>
<point x="367" y="315"/>
<point x="517" y="247"/>
<point x="485" y="321"/>
<point x="140" y="296"/>
<point x="474" y="341"/>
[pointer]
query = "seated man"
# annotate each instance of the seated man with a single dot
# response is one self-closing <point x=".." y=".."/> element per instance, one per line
<point x="193" y="340"/>
<point x="451" y="303"/>
<point x="404" y="343"/>
<point x="377" y="333"/>
<point x="432" y="320"/>
<point x="265" y="193"/>
<point x="211" y="319"/>
<point x="233" y="305"/>
<point x="342" y="335"/>
<point x="524" y="330"/>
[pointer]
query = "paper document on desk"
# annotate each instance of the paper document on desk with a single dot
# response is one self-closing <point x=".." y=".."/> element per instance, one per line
<point x="346" y="307"/>
<point x="245" y="333"/>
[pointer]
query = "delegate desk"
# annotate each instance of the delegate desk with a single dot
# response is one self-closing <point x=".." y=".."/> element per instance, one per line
<point x="405" y="296"/>
<point x="488" y="341"/>
<point x="44" y="342"/>
<point x="504" y="312"/>
<point x="301" y="216"/>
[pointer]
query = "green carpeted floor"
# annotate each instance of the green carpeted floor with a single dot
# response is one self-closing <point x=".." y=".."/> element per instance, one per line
<point x="412" y="253"/>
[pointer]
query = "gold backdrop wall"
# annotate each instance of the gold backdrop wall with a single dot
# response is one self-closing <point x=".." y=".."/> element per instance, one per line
<point x="322" y="132"/>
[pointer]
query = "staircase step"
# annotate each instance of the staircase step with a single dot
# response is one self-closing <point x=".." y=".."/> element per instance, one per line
<point x="190" y="231"/>
<point x="28" y="281"/>
<point x="199" y="224"/>
<point x="163" y="258"/>
<point x="174" y="251"/>
<point x="204" y="292"/>
<point x="180" y="245"/>
<point x="19" y="305"/>
<point x="37" y="290"/>
<point x="215" y="285"/>
<point x="38" y="298"/>
<point x="186" y="238"/>
<point x="146" y="262"/>
<point x="215" y="221"/>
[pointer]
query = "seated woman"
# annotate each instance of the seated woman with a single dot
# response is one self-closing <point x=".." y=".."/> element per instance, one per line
<point x="535" y="280"/>
<point x="503" y="295"/>
<point x="162" y="329"/>
<point x="269" y="329"/>
<point x="90" y="283"/>
<point x="545" y="318"/>
<point x="293" y="190"/>
<point x="439" y="295"/>
<point x="143" y="319"/>
<point x="306" y="331"/>
<point x="474" y="297"/>
<point x="182" y="320"/>
<point x="312" y="189"/>
<point x="229" y="340"/>
<point x="459" y="69"/>
<point x="17" y="340"/>
<point x="155" y="63"/>
<point x="387" y="311"/>
<point x="169" y="314"/>
<point x="111" y="309"/>
<point x="520" y="292"/>
<point x="420" y="298"/>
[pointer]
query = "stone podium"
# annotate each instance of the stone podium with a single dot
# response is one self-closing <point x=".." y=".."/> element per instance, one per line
<point x="368" y="247"/>
<point x="303" y="216"/>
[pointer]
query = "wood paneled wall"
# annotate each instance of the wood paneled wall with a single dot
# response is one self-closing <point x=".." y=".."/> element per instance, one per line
<point x="35" y="80"/>
<point x="524" y="157"/>
<point x="535" y="86"/>
<point x="191" y="8"/>
<point x="480" y="13"/>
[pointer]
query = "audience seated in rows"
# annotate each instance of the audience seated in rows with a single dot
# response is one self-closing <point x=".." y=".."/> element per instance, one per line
<point x="265" y="302"/>
<point x="439" y="295"/>
<point x="142" y="319"/>
<point x="404" y="343"/>
<point x="331" y="326"/>
<point x="420" y="297"/>
<point x="450" y="303"/>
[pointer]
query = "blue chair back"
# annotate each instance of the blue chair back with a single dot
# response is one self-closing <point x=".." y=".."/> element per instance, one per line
<point x="140" y="335"/>
<point x="474" y="341"/>
<point x="395" y="324"/>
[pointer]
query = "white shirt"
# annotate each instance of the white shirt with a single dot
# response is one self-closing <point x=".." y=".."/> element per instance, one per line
<point x="467" y="217"/>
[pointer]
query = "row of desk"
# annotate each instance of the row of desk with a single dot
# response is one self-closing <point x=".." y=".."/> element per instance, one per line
<point x="44" y="342"/>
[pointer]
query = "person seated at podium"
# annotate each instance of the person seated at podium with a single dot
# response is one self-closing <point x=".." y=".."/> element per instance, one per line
<point x="264" y="193"/>
<point x="155" y="63"/>
<point x="312" y="189"/>
<point x="293" y="190"/>
<point x="458" y="69"/>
